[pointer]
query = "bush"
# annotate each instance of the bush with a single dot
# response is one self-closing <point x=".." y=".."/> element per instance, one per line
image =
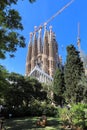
<point x="79" y="115"/>
<point x="36" y="108"/>
<point x="76" y="116"/>
<point x="50" y="110"/>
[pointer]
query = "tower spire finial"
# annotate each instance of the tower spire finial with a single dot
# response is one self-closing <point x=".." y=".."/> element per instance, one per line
<point x="39" y="45"/>
<point x="31" y="36"/>
<point x="45" y="26"/>
<point x="40" y="32"/>
<point x="30" y="42"/>
<point x="51" y="33"/>
<point x="78" y="37"/>
<point x="35" y="30"/>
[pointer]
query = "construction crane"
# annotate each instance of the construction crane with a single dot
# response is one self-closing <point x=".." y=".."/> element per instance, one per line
<point x="51" y="18"/>
<point x="78" y="37"/>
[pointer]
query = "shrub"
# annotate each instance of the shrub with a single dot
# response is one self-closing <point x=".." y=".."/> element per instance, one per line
<point x="76" y="116"/>
<point x="79" y="115"/>
<point x="36" y="108"/>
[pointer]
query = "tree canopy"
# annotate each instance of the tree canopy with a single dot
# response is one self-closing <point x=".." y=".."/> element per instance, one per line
<point x="73" y="72"/>
<point x="3" y="82"/>
<point x="32" y="1"/>
<point x="59" y="86"/>
<point x="83" y="89"/>
<point x="10" y="25"/>
<point x="21" y="90"/>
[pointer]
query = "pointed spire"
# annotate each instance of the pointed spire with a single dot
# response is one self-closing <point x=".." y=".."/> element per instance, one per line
<point x="30" y="42"/>
<point x="50" y="29"/>
<point x="29" y="56"/>
<point x="39" y="36"/>
<point x="51" y="43"/>
<point x="40" y="41"/>
<point x="78" y="37"/>
<point x="35" y="28"/>
<point x="34" y="48"/>
<point x="51" y="33"/>
<point x="45" y="26"/>
<point x="45" y="29"/>
<point x="45" y="40"/>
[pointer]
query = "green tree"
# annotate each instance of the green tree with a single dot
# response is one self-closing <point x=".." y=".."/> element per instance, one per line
<point x="48" y="89"/>
<point x="38" y="92"/>
<point x="59" y="86"/>
<point x="14" y="94"/>
<point x="32" y="1"/>
<point x="83" y="89"/>
<point x="32" y="90"/>
<point x="10" y="25"/>
<point x="22" y="90"/>
<point x="73" y="72"/>
<point x="3" y="83"/>
<point x="84" y="58"/>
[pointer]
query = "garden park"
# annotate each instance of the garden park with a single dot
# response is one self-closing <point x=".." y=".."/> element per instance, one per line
<point x="24" y="100"/>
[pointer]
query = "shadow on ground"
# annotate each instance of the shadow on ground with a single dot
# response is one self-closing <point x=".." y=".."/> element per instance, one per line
<point x="30" y="124"/>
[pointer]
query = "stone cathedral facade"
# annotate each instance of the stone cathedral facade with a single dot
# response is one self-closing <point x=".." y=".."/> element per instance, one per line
<point x="42" y="58"/>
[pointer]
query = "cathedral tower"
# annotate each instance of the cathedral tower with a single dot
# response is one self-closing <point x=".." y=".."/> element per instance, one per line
<point x="42" y="58"/>
<point x="39" y="48"/>
<point x="29" y="56"/>
<point x="34" y="51"/>
<point x="52" y="53"/>
<point x="45" y="51"/>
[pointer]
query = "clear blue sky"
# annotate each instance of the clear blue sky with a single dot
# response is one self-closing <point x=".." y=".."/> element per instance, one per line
<point x="64" y="25"/>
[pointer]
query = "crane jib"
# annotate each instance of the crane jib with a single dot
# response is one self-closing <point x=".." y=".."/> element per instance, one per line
<point x="51" y="18"/>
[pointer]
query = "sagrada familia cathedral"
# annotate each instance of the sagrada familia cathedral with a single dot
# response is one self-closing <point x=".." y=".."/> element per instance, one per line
<point x="42" y="58"/>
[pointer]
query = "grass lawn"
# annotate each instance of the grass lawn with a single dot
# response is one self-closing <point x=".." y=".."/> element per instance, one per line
<point x="30" y="124"/>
